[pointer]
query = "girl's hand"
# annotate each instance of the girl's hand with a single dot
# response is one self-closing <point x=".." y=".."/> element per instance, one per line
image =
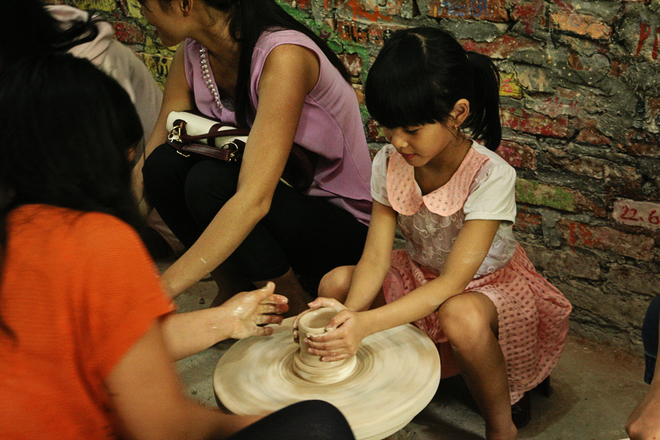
<point x="347" y="330"/>
<point x="316" y="304"/>
<point x="249" y="311"/>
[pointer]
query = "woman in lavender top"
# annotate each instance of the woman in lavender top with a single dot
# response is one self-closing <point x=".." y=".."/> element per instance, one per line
<point x="248" y="63"/>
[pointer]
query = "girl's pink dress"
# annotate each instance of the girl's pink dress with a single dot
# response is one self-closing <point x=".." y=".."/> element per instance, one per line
<point x="533" y="314"/>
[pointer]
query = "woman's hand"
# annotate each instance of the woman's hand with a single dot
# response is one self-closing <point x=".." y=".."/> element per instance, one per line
<point x="316" y="304"/>
<point x="346" y="332"/>
<point x="250" y="311"/>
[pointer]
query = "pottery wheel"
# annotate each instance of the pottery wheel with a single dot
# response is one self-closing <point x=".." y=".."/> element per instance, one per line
<point x="396" y="376"/>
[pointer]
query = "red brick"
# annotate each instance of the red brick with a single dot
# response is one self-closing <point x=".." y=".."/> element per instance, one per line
<point x="640" y="143"/>
<point x="563" y="102"/>
<point x="583" y="235"/>
<point x="591" y="166"/>
<point x="630" y="279"/>
<point x="129" y="33"/>
<point x="500" y="48"/>
<point x="530" y="14"/>
<point x="528" y="221"/>
<point x="359" y="92"/>
<point x="591" y="135"/>
<point x="379" y="33"/>
<point x="517" y="155"/>
<point x="351" y="31"/>
<point x="491" y="10"/>
<point x="586" y="205"/>
<point x="635" y="213"/>
<point x="534" y="123"/>
<point x="370" y="10"/>
<point x="353" y="63"/>
<point x="563" y="263"/>
<point x="580" y="24"/>
<point x="617" y="68"/>
<point x="374" y="132"/>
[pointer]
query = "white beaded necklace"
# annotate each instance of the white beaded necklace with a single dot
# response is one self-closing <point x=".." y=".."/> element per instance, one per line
<point x="208" y="80"/>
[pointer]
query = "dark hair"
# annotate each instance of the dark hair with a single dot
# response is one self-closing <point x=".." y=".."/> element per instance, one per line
<point x="422" y="72"/>
<point x="68" y="130"/>
<point x="26" y="28"/>
<point x="248" y="19"/>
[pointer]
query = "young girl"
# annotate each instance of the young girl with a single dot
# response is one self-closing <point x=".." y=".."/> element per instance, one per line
<point x="462" y="277"/>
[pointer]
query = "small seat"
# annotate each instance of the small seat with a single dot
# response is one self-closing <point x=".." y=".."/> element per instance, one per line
<point x="521" y="411"/>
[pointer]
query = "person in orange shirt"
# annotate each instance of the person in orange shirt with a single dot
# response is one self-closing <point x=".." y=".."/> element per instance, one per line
<point x="87" y="336"/>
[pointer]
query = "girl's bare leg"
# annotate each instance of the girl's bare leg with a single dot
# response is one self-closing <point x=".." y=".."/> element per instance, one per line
<point x="469" y="321"/>
<point x="336" y="283"/>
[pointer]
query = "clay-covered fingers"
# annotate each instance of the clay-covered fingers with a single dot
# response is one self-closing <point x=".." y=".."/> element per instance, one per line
<point x="268" y="307"/>
<point x="333" y="350"/>
<point x="326" y="302"/>
<point x="264" y="319"/>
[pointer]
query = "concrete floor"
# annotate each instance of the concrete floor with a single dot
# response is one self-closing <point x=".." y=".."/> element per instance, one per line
<point x="595" y="389"/>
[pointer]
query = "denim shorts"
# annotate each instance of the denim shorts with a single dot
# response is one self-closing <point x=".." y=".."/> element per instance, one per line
<point x="650" y="338"/>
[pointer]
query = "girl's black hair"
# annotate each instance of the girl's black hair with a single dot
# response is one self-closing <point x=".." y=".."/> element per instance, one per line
<point x="68" y="132"/>
<point x="26" y="28"/>
<point x="248" y="19"/>
<point x="422" y="72"/>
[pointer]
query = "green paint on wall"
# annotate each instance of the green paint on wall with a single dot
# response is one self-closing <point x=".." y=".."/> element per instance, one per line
<point x="535" y="193"/>
<point x="98" y="5"/>
<point x="329" y="35"/>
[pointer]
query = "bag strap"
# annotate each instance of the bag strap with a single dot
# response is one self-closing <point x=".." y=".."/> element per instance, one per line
<point x="179" y="130"/>
<point x="185" y="144"/>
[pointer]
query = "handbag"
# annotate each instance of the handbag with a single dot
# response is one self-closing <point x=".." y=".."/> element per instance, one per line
<point x="190" y="133"/>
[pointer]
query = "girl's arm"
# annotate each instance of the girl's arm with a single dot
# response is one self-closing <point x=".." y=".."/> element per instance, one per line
<point x="147" y="397"/>
<point x="177" y="97"/>
<point x="289" y="74"/>
<point x="375" y="261"/>
<point x="467" y="254"/>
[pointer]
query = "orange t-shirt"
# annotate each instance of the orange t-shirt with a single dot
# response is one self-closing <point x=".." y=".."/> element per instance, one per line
<point x="78" y="290"/>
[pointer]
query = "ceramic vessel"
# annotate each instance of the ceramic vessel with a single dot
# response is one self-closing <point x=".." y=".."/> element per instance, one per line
<point x="309" y="366"/>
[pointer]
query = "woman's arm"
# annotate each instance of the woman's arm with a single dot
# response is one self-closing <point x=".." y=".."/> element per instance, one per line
<point x="147" y="397"/>
<point x="177" y="97"/>
<point x="289" y="74"/>
<point x="466" y="256"/>
<point x="239" y="317"/>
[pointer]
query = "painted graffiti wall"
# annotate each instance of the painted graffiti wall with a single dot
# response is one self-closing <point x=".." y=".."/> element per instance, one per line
<point x="580" y="98"/>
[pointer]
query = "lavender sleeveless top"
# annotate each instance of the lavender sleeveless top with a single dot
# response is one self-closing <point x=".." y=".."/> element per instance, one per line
<point x="330" y="124"/>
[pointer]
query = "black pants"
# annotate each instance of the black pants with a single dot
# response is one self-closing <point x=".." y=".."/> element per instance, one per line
<point x="308" y="234"/>
<point x="650" y="338"/>
<point x="307" y="420"/>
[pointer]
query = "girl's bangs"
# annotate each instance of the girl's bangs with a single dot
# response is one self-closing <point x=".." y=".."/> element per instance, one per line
<point x="399" y="91"/>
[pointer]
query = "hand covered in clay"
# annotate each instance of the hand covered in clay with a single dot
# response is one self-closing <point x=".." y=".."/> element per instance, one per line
<point x="346" y="331"/>
<point x="316" y="304"/>
<point x="250" y="310"/>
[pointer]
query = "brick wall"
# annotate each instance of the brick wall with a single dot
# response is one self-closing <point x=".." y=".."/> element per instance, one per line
<point x="581" y="116"/>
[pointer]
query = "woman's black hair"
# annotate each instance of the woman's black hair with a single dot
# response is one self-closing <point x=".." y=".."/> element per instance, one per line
<point x="422" y="72"/>
<point x="68" y="133"/>
<point x="26" y="28"/>
<point x="248" y="19"/>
